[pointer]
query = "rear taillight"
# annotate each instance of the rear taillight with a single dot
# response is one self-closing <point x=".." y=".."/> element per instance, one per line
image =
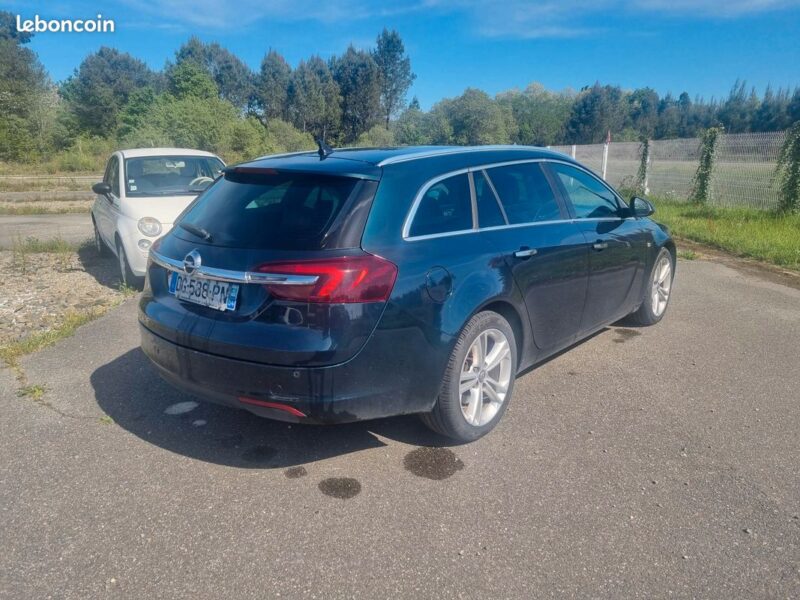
<point x="344" y="279"/>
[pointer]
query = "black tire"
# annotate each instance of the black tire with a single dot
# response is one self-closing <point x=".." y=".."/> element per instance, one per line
<point x="447" y="417"/>
<point x="99" y="244"/>
<point x="646" y="315"/>
<point x="126" y="275"/>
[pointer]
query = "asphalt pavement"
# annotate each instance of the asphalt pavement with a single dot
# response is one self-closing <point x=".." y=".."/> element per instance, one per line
<point x="74" y="228"/>
<point x="655" y="462"/>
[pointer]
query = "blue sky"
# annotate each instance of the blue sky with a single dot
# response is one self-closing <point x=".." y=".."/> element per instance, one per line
<point x="700" y="46"/>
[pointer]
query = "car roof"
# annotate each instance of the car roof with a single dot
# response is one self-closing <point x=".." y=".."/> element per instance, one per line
<point x="368" y="162"/>
<point x="139" y="152"/>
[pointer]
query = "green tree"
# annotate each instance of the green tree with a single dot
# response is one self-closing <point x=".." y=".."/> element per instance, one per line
<point x="475" y="119"/>
<point x="234" y="80"/>
<point x="315" y="102"/>
<point x="772" y="113"/>
<point x="597" y="110"/>
<point x="272" y="86"/>
<point x="738" y="110"/>
<point x="188" y="79"/>
<point x="134" y="115"/>
<point x="642" y="111"/>
<point x="359" y="81"/>
<point x="101" y="87"/>
<point x="411" y="127"/>
<point x="28" y="102"/>
<point x="539" y="115"/>
<point x="395" y="69"/>
<point x="793" y="109"/>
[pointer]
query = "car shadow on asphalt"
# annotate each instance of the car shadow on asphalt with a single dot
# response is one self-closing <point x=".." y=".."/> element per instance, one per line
<point x="104" y="268"/>
<point x="129" y="390"/>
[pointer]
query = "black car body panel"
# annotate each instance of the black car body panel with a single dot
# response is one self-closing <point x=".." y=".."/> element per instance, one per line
<point x="335" y="362"/>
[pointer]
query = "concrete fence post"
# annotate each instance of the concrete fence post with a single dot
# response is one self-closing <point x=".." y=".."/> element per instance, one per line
<point x="605" y="159"/>
<point x="574" y="149"/>
<point x="647" y="168"/>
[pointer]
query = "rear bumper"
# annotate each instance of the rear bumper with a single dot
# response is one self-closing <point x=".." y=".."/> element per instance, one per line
<point x="369" y="386"/>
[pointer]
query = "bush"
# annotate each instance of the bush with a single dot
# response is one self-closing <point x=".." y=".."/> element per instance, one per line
<point x="87" y="153"/>
<point x="284" y="137"/>
<point x="788" y="171"/>
<point x="377" y="137"/>
<point x="701" y="184"/>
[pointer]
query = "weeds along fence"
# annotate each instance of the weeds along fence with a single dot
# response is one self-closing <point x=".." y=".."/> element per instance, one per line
<point x="743" y="171"/>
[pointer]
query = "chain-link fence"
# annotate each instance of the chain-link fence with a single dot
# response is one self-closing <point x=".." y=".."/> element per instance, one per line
<point x="743" y="172"/>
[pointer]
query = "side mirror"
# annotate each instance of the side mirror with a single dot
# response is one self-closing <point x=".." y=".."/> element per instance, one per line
<point x="641" y="207"/>
<point x="102" y="188"/>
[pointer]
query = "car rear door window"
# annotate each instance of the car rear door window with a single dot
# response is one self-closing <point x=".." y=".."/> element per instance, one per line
<point x="590" y="198"/>
<point x="445" y="207"/>
<point x="489" y="211"/>
<point x="525" y="193"/>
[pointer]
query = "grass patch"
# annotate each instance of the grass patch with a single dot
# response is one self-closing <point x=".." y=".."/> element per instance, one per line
<point x="106" y="420"/>
<point x="11" y="353"/>
<point x="746" y="232"/>
<point x="126" y="290"/>
<point x="63" y="250"/>
<point x="46" y="183"/>
<point x="32" y="245"/>
<point x="34" y="392"/>
<point x="33" y="209"/>
<point x="687" y="254"/>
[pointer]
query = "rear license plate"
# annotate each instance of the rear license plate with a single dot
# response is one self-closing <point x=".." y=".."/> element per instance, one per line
<point x="219" y="295"/>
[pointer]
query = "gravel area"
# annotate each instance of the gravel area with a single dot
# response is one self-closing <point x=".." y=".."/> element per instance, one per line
<point x="38" y="289"/>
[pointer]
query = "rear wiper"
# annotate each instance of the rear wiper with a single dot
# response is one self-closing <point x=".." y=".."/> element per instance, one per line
<point x="194" y="230"/>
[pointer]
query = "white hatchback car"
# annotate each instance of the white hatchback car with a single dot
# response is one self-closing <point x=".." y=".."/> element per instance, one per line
<point x="142" y="193"/>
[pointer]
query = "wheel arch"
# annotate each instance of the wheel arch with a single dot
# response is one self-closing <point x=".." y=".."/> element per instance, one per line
<point x="670" y="245"/>
<point x="509" y="312"/>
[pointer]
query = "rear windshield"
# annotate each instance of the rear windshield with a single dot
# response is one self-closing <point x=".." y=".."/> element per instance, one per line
<point x="284" y="211"/>
<point x="170" y="175"/>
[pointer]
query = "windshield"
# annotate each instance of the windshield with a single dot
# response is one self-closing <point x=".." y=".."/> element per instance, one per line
<point x="170" y="175"/>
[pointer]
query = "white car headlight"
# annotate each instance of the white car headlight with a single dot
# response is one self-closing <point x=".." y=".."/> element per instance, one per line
<point x="149" y="226"/>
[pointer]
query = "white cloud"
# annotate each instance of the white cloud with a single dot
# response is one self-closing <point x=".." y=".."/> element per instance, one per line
<point x="490" y="18"/>
<point x="572" y="18"/>
<point x="224" y="14"/>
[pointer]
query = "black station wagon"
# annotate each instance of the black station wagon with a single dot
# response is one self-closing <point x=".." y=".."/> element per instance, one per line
<point x="335" y="286"/>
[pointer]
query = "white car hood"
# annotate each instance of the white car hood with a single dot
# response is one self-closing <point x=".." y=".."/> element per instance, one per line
<point x="163" y="208"/>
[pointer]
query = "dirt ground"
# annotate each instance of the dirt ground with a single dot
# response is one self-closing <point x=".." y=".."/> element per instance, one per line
<point x="38" y="289"/>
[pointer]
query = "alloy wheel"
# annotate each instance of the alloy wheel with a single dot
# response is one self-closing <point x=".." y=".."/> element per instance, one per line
<point x="485" y="377"/>
<point x="662" y="283"/>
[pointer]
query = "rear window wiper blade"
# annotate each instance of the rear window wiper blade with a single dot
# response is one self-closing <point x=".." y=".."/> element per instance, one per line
<point x="194" y="230"/>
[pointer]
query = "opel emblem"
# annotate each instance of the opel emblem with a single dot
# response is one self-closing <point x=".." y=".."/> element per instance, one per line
<point x="192" y="262"/>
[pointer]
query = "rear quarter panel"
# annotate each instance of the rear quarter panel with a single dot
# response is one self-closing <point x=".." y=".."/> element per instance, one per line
<point x="477" y="275"/>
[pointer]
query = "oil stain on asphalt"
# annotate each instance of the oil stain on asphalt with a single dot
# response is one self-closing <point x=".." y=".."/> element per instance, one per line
<point x="625" y="335"/>
<point x="432" y="463"/>
<point x="295" y="472"/>
<point x="340" y="487"/>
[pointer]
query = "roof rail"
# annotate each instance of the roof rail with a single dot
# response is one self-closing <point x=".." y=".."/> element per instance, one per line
<point x="450" y="150"/>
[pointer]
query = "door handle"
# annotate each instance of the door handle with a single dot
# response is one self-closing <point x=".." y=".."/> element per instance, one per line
<point x="600" y="245"/>
<point x="525" y="252"/>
